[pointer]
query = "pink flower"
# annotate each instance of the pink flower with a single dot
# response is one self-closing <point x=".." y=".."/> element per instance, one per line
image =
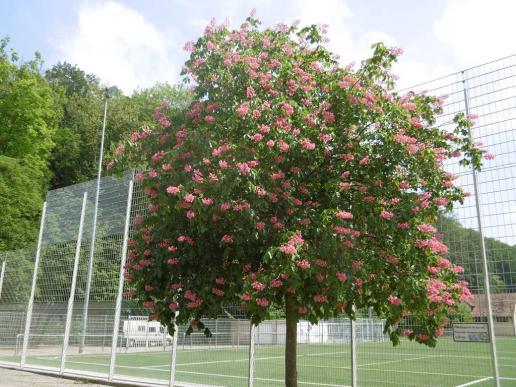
<point x="364" y="161"/>
<point x="149" y="304"/>
<point x="344" y="215"/>
<point x="262" y="302"/>
<point x="243" y="109"/>
<point x="260" y="191"/>
<point x="407" y="332"/>
<point x="288" y="249"/>
<point x="409" y="106"/>
<point x="275" y="283"/>
<point x="173" y="306"/>
<point x="307" y="144"/>
<point x="246" y="297"/>
<point x="250" y="92"/>
<point x="433" y="270"/>
<point x="320" y="298"/>
<point x="302" y="310"/>
<point x="489" y="156"/>
<point x="414" y="121"/>
<point x="243" y="168"/>
<point x="191" y="214"/>
<point x="217" y="292"/>
<point x="260" y="225"/>
<point x="189" y="198"/>
<point x="223" y="164"/>
<point x="441" y="201"/>
<point x="386" y="215"/>
<point x="257" y="137"/>
<point x="341" y="276"/>
<point x="258" y="286"/>
<point x="283" y="146"/>
<point x="207" y="201"/>
<point x="288" y="109"/>
<point x="173" y="190"/>
<point x="394" y="300"/>
<point x="427" y="228"/>
<point x="303" y="264"/>
<point x="227" y="238"/>
<point x="403" y="139"/>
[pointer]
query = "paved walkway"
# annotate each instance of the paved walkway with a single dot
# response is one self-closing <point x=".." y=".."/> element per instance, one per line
<point x="15" y="378"/>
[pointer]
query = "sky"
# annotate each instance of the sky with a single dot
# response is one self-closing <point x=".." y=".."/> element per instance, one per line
<point x="134" y="44"/>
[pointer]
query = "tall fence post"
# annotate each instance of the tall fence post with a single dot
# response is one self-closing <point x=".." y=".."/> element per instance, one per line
<point x="71" y="298"/>
<point x="485" y="268"/>
<point x="174" y="354"/>
<point x="118" y="303"/>
<point x="2" y="274"/>
<point x="30" y="305"/>
<point x="251" y="355"/>
<point x="353" y="339"/>
<point x="89" y="273"/>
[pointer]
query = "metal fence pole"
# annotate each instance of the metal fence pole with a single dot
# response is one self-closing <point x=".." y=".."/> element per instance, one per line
<point x="251" y="355"/>
<point x="353" y="339"/>
<point x="2" y="278"/>
<point x="174" y="354"/>
<point x="118" y="303"/>
<point x="94" y="231"/>
<point x="485" y="268"/>
<point x="30" y="305"/>
<point x="71" y="298"/>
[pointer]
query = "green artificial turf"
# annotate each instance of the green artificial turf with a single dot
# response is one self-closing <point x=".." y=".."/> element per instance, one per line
<point x="379" y="364"/>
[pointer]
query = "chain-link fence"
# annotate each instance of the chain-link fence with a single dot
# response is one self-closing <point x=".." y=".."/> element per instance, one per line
<point x="47" y="323"/>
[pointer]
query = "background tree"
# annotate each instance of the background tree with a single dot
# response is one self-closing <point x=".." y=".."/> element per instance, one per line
<point x="27" y="115"/>
<point x="74" y="158"/>
<point x="28" y="119"/>
<point x="294" y="182"/>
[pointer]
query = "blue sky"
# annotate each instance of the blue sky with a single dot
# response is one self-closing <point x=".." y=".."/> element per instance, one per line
<point x="132" y="43"/>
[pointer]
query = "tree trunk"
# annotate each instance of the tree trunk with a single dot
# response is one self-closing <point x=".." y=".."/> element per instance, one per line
<point x="291" y="344"/>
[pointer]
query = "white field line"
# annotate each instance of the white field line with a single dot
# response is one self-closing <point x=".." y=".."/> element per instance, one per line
<point x="506" y="378"/>
<point x="424" y="373"/>
<point x="211" y="374"/>
<point x="264" y="379"/>
<point x="245" y="360"/>
<point x="397" y="361"/>
<point x="475" y="382"/>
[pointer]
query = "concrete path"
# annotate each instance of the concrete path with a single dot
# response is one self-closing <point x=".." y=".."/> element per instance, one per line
<point x="15" y="378"/>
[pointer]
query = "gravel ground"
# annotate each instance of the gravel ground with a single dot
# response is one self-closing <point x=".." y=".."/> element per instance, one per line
<point x="15" y="378"/>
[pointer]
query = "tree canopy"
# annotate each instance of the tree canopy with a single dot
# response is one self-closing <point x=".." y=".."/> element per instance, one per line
<point x="292" y="181"/>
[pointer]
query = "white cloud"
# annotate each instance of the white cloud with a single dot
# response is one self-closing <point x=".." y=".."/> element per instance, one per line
<point x="413" y="72"/>
<point x="353" y="45"/>
<point x="117" y="44"/>
<point x="478" y="30"/>
<point x="336" y="14"/>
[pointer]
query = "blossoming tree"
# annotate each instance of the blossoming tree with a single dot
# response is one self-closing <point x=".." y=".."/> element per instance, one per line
<point x="295" y="182"/>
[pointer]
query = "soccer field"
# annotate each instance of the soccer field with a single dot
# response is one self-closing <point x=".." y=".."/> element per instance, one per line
<point x="379" y="364"/>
